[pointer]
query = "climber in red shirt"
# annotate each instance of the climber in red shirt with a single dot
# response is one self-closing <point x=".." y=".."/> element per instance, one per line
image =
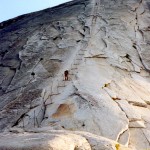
<point x="66" y="73"/>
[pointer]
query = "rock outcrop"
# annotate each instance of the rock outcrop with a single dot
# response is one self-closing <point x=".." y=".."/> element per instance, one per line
<point x="47" y="139"/>
<point x="105" y="46"/>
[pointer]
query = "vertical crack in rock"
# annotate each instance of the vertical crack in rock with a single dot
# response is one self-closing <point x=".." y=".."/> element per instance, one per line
<point x="124" y="137"/>
<point x="146" y="137"/>
<point x="137" y="29"/>
<point x="123" y="131"/>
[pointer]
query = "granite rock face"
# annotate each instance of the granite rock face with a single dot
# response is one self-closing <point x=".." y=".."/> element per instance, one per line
<point x="105" y="46"/>
<point x="46" y="139"/>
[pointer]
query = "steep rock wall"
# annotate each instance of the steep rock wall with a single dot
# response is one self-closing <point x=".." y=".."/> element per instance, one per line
<point x="104" y="45"/>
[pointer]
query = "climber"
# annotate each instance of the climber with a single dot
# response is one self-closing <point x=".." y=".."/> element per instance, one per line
<point x="66" y="73"/>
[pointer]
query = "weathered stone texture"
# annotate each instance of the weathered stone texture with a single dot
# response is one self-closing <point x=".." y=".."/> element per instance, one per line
<point x="105" y="46"/>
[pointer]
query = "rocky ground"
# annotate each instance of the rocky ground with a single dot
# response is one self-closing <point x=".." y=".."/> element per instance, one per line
<point x="105" y="105"/>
